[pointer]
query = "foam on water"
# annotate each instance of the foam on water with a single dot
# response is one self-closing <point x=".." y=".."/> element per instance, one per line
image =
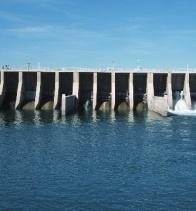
<point x="181" y="108"/>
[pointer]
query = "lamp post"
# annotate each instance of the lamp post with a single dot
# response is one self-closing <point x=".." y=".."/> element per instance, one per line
<point x="28" y="65"/>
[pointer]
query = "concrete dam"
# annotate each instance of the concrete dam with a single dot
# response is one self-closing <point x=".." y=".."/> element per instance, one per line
<point x="69" y="90"/>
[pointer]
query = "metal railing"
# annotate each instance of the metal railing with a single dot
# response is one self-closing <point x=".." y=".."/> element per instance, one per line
<point x="101" y="70"/>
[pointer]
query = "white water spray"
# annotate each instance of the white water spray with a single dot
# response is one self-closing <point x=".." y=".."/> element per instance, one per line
<point x="181" y="104"/>
<point x="181" y="108"/>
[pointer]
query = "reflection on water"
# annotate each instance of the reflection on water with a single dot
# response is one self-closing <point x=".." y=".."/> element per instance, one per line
<point x="41" y="117"/>
<point x="38" y="117"/>
<point x="96" y="161"/>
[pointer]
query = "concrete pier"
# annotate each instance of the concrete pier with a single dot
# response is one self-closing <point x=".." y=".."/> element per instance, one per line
<point x="75" y="84"/>
<point x="1" y="81"/>
<point x="131" y="93"/>
<point x="169" y="91"/>
<point x="150" y="90"/>
<point x="113" y="92"/>
<point x="94" y="90"/>
<point x="38" y="91"/>
<point x="56" y="91"/>
<point x="186" y="90"/>
<point x="20" y="94"/>
<point x="2" y="89"/>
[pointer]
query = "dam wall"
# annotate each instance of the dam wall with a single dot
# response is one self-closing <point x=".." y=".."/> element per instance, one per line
<point x="96" y="89"/>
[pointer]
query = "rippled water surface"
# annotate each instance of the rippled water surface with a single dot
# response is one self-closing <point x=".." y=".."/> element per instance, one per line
<point x="97" y="162"/>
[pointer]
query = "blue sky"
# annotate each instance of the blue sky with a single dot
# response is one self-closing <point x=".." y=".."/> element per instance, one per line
<point x="98" y="33"/>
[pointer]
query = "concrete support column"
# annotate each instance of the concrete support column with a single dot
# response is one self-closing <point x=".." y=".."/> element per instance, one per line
<point x="2" y="83"/>
<point x="20" y="91"/>
<point x="75" y="84"/>
<point x="150" y="90"/>
<point x="56" y="91"/>
<point x="63" y="104"/>
<point x="131" y="94"/>
<point x="169" y="91"/>
<point x="38" y="91"/>
<point x="2" y="89"/>
<point x="187" y="95"/>
<point x="113" y="92"/>
<point x="94" y="90"/>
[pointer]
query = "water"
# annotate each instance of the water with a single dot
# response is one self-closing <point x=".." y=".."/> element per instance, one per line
<point x="97" y="162"/>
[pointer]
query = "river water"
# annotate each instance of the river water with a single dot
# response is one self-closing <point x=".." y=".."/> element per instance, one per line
<point x="99" y="161"/>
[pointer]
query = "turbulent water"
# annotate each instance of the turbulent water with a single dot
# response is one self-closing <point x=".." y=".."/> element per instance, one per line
<point x="97" y="162"/>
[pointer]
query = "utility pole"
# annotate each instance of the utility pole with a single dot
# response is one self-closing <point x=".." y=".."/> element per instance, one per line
<point x="28" y="65"/>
